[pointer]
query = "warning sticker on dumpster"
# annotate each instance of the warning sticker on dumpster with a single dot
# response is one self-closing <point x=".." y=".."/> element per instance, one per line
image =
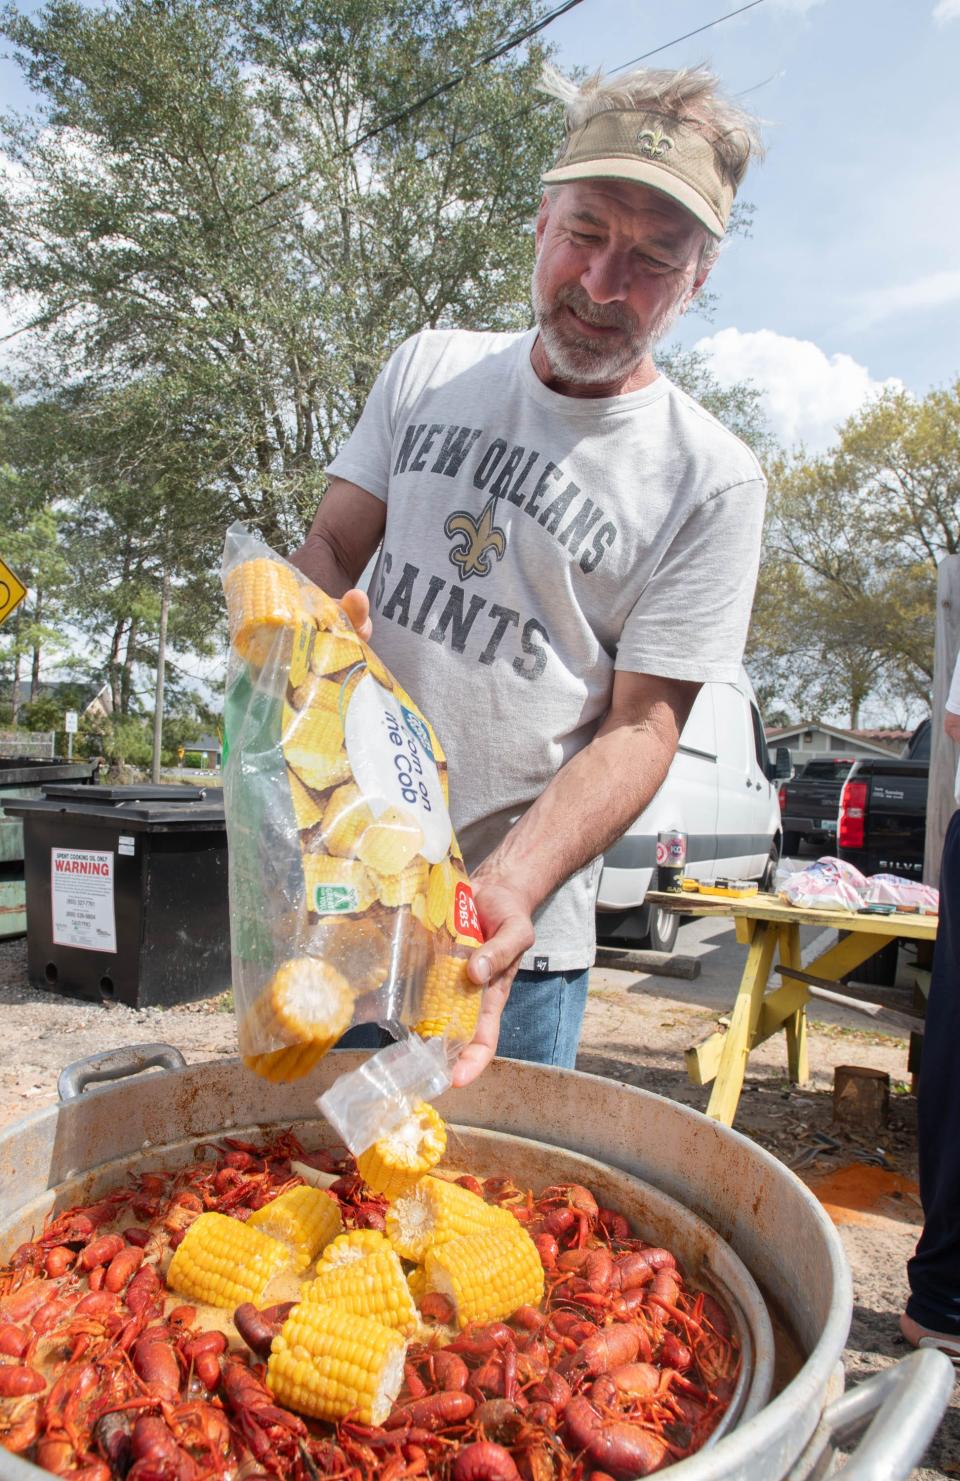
<point x="81" y="890"/>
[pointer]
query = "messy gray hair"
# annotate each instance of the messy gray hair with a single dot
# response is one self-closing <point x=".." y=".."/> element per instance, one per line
<point x="690" y="94"/>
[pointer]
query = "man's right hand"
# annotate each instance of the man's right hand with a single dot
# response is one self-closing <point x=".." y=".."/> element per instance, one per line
<point x="355" y="604"/>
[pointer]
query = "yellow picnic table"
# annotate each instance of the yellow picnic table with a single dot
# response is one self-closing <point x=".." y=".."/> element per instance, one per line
<point x="769" y="926"/>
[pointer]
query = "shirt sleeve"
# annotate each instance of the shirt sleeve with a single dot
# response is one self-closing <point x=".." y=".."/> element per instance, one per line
<point x="953" y="698"/>
<point x="690" y="622"/>
<point x="365" y="458"/>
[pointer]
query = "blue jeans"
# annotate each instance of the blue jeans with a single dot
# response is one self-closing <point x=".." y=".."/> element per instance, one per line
<point x="541" y="1022"/>
<point x="543" y="1017"/>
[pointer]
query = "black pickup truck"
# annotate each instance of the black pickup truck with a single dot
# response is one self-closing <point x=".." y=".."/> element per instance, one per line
<point x="883" y="811"/>
<point x="810" y="802"/>
<point x="882" y="826"/>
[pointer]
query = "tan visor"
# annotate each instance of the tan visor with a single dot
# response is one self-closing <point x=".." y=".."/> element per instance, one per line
<point x="663" y="153"/>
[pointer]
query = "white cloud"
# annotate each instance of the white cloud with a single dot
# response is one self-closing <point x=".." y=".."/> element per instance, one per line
<point x="800" y="7"/>
<point x="946" y="10"/>
<point x="932" y="291"/>
<point x="807" y="394"/>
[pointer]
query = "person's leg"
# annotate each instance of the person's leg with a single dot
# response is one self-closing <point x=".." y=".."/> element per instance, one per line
<point x="543" y="1017"/>
<point x="934" y="1271"/>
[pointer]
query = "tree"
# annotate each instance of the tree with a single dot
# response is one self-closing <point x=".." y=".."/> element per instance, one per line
<point x="846" y="597"/>
<point x="31" y="545"/>
<point x="238" y="204"/>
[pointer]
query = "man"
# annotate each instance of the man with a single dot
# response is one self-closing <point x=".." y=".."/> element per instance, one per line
<point x="932" y="1317"/>
<point x="569" y="543"/>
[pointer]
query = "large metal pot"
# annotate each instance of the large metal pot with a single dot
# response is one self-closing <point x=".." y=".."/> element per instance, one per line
<point x="69" y="1152"/>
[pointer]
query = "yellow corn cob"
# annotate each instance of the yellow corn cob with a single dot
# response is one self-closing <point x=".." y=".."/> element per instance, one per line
<point x="450" y="1004"/>
<point x="418" y="909"/>
<point x="358" y="948"/>
<point x="390" y="843"/>
<point x="487" y="1276"/>
<point x="344" y="821"/>
<point x="313" y="742"/>
<point x="440" y="889"/>
<point x="417" y="1281"/>
<point x="263" y="599"/>
<point x="282" y="1066"/>
<point x="328" y="1363"/>
<point x="395" y="1164"/>
<point x="337" y="886"/>
<point x="308" y="1004"/>
<point x="304" y="1219"/>
<point x="307" y="811"/>
<point x="319" y="694"/>
<point x="224" y="1262"/>
<point x="355" y="1244"/>
<point x="403" y="888"/>
<point x="324" y="610"/>
<point x="333" y="652"/>
<point x="438" y="1211"/>
<point x="374" y="1286"/>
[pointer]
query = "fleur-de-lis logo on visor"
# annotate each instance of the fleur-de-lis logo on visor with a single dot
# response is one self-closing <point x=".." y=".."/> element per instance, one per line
<point x="481" y="539"/>
<point x="654" y="142"/>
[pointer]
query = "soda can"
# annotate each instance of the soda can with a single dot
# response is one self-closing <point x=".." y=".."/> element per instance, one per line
<point x="671" y="858"/>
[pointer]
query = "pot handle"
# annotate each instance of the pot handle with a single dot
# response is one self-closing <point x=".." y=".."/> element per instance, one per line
<point x="902" y="1405"/>
<point x="116" y="1064"/>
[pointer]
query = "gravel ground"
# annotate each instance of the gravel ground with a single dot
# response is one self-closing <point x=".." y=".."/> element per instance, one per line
<point x="637" y="1028"/>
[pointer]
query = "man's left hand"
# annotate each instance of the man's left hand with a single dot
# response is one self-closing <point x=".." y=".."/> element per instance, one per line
<point x="505" y="918"/>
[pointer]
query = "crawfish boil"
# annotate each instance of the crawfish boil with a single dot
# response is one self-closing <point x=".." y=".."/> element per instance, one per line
<point x="266" y="1311"/>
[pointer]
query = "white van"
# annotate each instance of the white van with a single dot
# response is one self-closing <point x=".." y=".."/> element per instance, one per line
<point x="721" y="792"/>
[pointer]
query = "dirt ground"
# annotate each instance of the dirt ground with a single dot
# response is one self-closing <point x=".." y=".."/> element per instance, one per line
<point x="637" y="1028"/>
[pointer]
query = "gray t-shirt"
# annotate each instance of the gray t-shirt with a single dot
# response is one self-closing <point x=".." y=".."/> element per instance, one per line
<point x="535" y="542"/>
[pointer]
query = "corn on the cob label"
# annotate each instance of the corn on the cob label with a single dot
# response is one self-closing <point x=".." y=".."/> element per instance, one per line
<point x="392" y="757"/>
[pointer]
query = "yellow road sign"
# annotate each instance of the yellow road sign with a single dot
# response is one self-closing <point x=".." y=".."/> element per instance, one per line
<point x="12" y="591"/>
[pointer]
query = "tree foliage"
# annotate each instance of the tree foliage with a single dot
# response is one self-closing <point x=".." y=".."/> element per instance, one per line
<point x="233" y="206"/>
<point x="845" y="604"/>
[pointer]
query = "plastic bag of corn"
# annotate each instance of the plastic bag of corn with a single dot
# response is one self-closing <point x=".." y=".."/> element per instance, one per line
<point x="349" y="900"/>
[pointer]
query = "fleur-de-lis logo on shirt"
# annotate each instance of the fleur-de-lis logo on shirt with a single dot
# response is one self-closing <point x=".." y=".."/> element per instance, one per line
<point x="481" y="539"/>
<point x="654" y="142"/>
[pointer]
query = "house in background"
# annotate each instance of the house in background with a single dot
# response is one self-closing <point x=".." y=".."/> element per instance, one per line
<point x="101" y="706"/>
<point x="208" y="748"/>
<point x="810" y="738"/>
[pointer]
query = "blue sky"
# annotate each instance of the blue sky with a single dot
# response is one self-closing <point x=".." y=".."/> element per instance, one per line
<point x="852" y="275"/>
<point x="851" y="278"/>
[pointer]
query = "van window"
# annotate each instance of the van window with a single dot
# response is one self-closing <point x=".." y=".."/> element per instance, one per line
<point x="759" y="740"/>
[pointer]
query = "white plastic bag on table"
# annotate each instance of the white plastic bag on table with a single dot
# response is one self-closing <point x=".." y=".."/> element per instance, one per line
<point x="349" y="900"/>
<point x="891" y="889"/>
<point x="829" y="884"/>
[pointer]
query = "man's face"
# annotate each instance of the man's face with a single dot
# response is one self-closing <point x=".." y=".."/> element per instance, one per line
<point x="616" y="263"/>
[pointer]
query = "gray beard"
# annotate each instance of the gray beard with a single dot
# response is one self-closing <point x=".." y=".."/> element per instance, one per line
<point x="582" y="361"/>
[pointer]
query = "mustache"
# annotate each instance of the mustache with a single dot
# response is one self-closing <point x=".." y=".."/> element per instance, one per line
<point x="606" y="316"/>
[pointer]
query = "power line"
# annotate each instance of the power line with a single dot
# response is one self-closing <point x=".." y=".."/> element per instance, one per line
<point x="687" y="34"/>
<point x="458" y="77"/>
<point x="515" y="39"/>
<point x="665" y="46"/>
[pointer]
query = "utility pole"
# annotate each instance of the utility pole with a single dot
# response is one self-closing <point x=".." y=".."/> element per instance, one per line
<point x="161" y="665"/>
<point x="941" y="801"/>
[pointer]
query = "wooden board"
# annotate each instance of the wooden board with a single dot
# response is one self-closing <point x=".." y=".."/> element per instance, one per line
<point x="771" y="907"/>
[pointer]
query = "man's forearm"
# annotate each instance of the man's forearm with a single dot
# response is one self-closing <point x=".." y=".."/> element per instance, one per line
<point x="319" y="559"/>
<point x="591" y="801"/>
